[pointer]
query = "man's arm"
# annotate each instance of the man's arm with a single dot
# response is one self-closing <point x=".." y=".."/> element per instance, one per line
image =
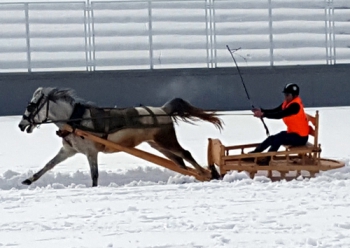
<point x="274" y="110"/>
<point x="279" y="114"/>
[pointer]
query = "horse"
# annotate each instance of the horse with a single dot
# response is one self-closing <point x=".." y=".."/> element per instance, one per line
<point x="128" y="127"/>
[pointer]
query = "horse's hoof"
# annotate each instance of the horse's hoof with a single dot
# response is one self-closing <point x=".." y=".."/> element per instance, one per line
<point x="214" y="173"/>
<point x="27" y="182"/>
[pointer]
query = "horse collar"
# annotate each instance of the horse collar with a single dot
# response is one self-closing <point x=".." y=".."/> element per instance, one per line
<point x="77" y="115"/>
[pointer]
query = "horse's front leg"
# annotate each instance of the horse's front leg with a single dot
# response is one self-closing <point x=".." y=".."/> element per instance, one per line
<point x="92" y="158"/>
<point x="62" y="155"/>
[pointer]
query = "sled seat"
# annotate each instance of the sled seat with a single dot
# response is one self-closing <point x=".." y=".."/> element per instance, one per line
<point x="312" y="151"/>
<point x="313" y="131"/>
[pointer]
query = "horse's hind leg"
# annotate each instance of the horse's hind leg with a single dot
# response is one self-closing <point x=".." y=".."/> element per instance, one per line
<point x="62" y="155"/>
<point x="186" y="155"/>
<point x="176" y="159"/>
<point x="168" y="141"/>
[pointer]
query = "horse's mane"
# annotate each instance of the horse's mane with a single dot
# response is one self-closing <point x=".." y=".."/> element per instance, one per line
<point x="67" y="95"/>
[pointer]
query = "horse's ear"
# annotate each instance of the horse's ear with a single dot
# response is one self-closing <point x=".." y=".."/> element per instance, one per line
<point x="40" y="89"/>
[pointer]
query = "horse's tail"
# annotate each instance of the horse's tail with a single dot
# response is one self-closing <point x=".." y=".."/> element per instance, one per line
<point x="179" y="109"/>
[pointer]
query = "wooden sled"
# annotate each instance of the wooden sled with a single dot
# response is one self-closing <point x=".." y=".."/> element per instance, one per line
<point x="293" y="160"/>
<point x="142" y="154"/>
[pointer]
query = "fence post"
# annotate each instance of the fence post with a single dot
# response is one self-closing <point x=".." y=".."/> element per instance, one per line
<point x="92" y="37"/>
<point x="207" y="31"/>
<point x="86" y="26"/>
<point x="271" y="34"/>
<point x="209" y="26"/>
<point x="211" y="32"/>
<point x="333" y="32"/>
<point x="214" y="57"/>
<point x="329" y="32"/>
<point x="88" y="38"/>
<point x="150" y="35"/>
<point x="29" y="59"/>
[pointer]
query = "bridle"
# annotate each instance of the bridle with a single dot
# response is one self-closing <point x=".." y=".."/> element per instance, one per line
<point x="35" y="107"/>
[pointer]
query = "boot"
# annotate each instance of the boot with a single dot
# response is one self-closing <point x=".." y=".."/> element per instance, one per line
<point x="249" y="159"/>
<point x="264" y="161"/>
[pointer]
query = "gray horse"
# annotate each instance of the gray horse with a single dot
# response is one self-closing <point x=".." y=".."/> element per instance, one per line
<point x="128" y="127"/>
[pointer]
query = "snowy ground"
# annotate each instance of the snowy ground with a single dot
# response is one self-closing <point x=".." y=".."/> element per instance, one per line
<point x="141" y="205"/>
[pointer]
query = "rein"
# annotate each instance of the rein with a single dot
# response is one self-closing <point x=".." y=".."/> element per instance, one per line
<point x="75" y="120"/>
<point x="110" y="117"/>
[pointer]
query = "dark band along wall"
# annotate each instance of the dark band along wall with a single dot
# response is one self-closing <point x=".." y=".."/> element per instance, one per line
<point x="219" y="88"/>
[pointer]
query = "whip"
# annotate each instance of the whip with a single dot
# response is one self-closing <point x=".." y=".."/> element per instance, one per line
<point x="245" y="88"/>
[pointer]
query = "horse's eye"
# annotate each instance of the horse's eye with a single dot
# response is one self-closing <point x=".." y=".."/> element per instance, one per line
<point x="31" y="107"/>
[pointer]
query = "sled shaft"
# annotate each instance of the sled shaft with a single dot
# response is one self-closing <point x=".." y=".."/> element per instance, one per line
<point x="138" y="153"/>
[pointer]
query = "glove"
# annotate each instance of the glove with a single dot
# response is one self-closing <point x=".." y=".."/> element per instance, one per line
<point x="258" y="113"/>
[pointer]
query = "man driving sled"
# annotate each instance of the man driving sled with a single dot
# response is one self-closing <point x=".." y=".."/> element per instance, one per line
<point x="293" y="115"/>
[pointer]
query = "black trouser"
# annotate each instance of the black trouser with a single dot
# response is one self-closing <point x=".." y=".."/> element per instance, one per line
<point x="282" y="138"/>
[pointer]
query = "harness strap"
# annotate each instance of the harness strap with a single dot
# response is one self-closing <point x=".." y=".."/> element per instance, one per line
<point x="155" y="120"/>
<point x="105" y="121"/>
<point x="107" y="115"/>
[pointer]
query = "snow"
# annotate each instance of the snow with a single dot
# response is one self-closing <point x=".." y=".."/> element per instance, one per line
<point x="138" y="204"/>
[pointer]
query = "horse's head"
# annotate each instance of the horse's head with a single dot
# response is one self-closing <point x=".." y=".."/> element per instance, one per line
<point x="47" y="105"/>
<point x="36" y="111"/>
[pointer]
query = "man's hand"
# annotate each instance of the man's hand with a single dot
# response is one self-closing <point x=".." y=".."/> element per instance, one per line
<point x="258" y="113"/>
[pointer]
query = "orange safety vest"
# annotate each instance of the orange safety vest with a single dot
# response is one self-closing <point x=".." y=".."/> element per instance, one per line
<point x="297" y="123"/>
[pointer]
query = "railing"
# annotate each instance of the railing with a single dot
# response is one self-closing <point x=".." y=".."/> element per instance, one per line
<point x="172" y="34"/>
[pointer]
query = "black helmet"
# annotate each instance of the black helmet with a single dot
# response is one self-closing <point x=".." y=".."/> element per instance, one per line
<point x="291" y="89"/>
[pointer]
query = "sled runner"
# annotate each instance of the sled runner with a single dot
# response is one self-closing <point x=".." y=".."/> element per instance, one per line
<point x="296" y="159"/>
